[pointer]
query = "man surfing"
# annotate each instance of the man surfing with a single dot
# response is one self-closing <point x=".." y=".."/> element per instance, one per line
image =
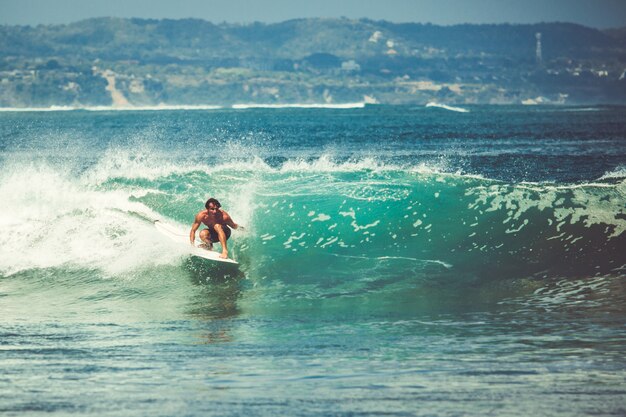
<point x="218" y="224"/>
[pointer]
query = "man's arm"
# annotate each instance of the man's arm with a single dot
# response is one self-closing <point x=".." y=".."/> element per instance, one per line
<point x="229" y="221"/>
<point x="194" y="228"/>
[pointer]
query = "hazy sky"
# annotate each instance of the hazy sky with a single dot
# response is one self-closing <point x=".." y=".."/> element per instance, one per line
<point x="594" y="13"/>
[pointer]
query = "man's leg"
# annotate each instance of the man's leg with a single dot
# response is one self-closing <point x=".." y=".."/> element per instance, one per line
<point x="222" y="237"/>
<point x="205" y="236"/>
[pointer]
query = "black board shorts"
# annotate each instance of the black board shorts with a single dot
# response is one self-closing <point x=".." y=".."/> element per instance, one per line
<point x="215" y="237"/>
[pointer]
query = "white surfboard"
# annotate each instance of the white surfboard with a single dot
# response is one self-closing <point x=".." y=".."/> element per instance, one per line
<point x="183" y="238"/>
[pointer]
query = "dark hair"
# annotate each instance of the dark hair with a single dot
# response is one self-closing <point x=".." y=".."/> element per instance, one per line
<point x="214" y="201"/>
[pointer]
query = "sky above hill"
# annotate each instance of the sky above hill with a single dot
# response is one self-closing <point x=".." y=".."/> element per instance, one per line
<point x="595" y="13"/>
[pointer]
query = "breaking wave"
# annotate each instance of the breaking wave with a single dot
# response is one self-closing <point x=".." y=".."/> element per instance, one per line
<point x="315" y="220"/>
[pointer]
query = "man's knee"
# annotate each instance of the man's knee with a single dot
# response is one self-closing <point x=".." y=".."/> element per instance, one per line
<point x="221" y="231"/>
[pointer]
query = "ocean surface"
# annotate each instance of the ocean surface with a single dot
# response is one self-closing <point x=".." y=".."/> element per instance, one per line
<point x="397" y="260"/>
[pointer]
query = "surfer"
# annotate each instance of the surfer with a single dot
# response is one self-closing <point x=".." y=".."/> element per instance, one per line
<point x="218" y="224"/>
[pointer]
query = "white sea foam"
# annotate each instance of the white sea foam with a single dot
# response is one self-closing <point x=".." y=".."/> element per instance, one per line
<point x="427" y="168"/>
<point x="51" y="220"/>
<point x="325" y="163"/>
<point x="586" y="205"/>
<point x="137" y="163"/>
<point x="142" y="160"/>
<point x="145" y="162"/>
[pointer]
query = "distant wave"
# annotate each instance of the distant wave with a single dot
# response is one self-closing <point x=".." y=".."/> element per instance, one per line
<point x="617" y="173"/>
<point x="111" y="108"/>
<point x="27" y="109"/>
<point x="357" y="105"/>
<point x="446" y="107"/>
<point x="158" y="107"/>
<point x="582" y="109"/>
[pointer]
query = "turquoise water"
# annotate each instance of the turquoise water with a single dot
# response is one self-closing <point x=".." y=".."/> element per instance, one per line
<point x="396" y="260"/>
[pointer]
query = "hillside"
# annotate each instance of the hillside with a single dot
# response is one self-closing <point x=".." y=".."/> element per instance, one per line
<point x="110" y="61"/>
